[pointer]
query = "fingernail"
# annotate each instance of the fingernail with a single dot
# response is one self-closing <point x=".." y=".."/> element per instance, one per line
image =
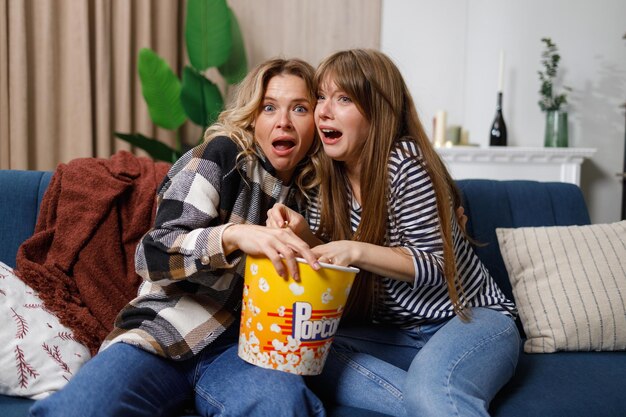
<point x="316" y="266"/>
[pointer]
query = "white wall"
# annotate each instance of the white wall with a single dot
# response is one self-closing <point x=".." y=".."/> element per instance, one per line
<point x="448" y="51"/>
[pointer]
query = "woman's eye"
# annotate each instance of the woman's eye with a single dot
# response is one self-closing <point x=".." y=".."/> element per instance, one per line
<point x="268" y="107"/>
<point x="345" y="99"/>
<point x="300" y="109"/>
<point x="320" y="97"/>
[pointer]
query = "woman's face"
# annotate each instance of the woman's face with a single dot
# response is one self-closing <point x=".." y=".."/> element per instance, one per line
<point x="284" y="127"/>
<point x="341" y="126"/>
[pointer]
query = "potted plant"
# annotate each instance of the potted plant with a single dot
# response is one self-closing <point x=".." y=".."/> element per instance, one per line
<point x="213" y="39"/>
<point x="556" y="134"/>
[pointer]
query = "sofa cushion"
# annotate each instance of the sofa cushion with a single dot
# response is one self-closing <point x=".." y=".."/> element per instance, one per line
<point x="14" y="406"/>
<point x="570" y="285"/>
<point x="38" y="355"/>
<point x="564" y="384"/>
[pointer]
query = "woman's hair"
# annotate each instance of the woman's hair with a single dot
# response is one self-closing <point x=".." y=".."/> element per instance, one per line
<point x="375" y="85"/>
<point x="237" y="121"/>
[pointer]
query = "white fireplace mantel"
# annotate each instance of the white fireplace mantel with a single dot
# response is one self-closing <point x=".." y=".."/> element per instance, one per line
<point x="516" y="163"/>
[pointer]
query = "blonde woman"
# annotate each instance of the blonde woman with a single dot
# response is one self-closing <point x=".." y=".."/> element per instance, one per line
<point x="427" y="331"/>
<point x="175" y="345"/>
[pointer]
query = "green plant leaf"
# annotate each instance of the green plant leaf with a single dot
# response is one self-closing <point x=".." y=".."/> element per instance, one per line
<point x="200" y="97"/>
<point x="156" y="149"/>
<point x="236" y="68"/>
<point x="207" y="33"/>
<point x="161" y="90"/>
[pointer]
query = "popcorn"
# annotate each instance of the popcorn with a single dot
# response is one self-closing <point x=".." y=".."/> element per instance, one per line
<point x="326" y="296"/>
<point x="292" y="344"/>
<point x="275" y="328"/>
<point x="293" y="359"/>
<point x="278" y="345"/>
<point x="253" y="339"/>
<point x="296" y="289"/>
<point x="264" y="285"/>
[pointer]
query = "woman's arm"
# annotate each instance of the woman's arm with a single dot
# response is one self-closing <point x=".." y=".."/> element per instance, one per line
<point x="396" y="262"/>
<point x="390" y="262"/>
<point x="189" y="236"/>
<point x="414" y="251"/>
<point x="187" y="233"/>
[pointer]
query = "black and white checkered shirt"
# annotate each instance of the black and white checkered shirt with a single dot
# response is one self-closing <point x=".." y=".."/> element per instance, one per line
<point x="191" y="291"/>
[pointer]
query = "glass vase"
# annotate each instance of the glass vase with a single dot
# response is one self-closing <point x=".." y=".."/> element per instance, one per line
<point x="556" y="135"/>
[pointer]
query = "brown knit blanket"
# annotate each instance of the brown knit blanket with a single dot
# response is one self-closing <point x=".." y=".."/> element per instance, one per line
<point x="81" y="257"/>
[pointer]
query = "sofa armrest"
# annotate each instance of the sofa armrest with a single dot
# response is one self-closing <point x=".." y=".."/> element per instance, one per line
<point x="22" y="192"/>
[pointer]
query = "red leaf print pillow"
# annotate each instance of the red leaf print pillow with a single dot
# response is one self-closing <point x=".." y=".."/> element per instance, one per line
<point x="38" y="355"/>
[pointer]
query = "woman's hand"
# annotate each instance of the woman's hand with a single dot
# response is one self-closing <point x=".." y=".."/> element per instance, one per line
<point x="461" y="217"/>
<point x="340" y="252"/>
<point x="282" y="217"/>
<point x="272" y="243"/>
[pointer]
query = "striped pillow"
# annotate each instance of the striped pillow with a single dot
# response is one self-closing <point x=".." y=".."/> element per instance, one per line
<point x="569" y="283"/>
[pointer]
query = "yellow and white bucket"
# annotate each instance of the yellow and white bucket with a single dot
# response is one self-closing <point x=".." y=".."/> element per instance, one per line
<point x="288" y="325"/>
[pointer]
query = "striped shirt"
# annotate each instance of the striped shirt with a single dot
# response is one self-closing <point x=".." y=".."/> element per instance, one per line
<point x="191" y="290"/>
<point x="414" y="225"/>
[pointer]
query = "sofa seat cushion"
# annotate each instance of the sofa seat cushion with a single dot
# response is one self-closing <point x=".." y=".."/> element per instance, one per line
<point x="14" y="406"/>
<point x="565" y="384"/>
<point x="18" y="407"/>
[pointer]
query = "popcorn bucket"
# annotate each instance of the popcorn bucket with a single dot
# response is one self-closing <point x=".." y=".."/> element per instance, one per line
<point x="288" y="325"/>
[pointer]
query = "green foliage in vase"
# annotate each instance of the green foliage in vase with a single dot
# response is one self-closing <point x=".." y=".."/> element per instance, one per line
<point x="213" y="39"/>
<point x="550" y="58"/>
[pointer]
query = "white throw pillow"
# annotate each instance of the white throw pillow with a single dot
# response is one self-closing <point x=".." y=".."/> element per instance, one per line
<point x="38" y="355"/>
<point x="569" y="283"/>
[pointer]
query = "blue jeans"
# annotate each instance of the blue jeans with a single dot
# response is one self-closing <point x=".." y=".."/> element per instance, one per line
<point x="124" y="380"/>
<point x="445" y="369"/>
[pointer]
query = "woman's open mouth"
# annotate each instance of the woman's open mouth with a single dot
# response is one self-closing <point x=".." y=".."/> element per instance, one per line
<point x="330" y="136"/>
<point x="283" y="146"/>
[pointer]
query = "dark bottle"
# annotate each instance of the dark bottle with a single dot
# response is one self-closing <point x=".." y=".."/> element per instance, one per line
<point x="497" y="135"/>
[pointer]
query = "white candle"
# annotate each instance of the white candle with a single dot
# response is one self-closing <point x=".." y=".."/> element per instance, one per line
<point x="501" y="73"/>
<point x="440" y="128"/>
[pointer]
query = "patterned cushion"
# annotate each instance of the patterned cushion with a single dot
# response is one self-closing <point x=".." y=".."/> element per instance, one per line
<point x="38" y="355"/>
<point x="569" y="284"/>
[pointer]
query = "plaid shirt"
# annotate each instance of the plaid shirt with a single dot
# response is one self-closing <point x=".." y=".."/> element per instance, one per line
<point x="191" y="291"/>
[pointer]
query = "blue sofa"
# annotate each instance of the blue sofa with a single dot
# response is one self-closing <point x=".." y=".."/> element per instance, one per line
<point x="563" y="384"/>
